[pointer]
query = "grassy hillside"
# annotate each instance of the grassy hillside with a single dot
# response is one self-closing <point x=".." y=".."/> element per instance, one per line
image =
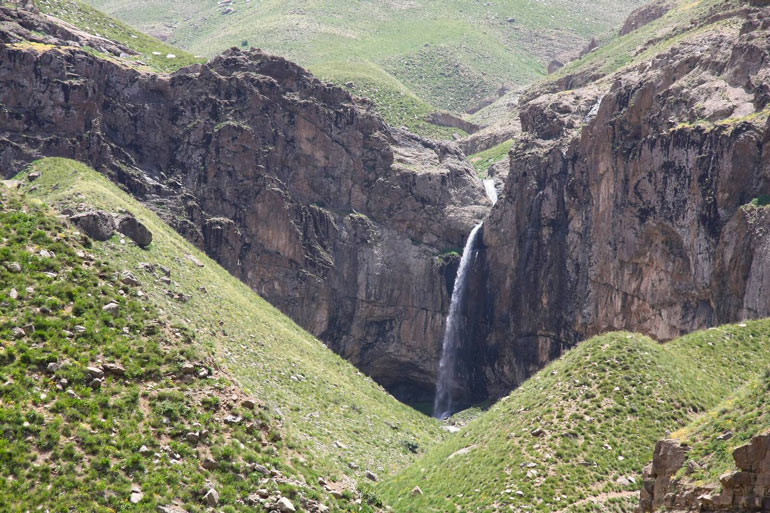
<point x="448" y="54"/>
<point x="134" y="439"/>
<point x="335" y="421"/>
<point x="684" y="21"/>
<point x="151" y="52"/>
<point x="741" y="417"/>
<point x="576" y="436"/>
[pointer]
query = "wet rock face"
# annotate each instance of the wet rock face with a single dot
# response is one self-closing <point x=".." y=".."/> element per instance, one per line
<point x="294" y="186"/>
<point x="623" y="209"/>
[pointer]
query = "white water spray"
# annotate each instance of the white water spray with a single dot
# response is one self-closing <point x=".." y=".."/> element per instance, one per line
<point x="442" y="406"/>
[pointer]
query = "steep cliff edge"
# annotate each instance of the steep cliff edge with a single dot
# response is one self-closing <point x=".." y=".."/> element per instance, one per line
<point x="294" y="186"/>
<point x="629" y="199"/>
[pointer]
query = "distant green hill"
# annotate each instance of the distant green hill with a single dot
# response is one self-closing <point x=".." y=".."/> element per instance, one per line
<point x="410" y="56"/>
<point x="576" y="436"/>
<point x="333" y="422"/>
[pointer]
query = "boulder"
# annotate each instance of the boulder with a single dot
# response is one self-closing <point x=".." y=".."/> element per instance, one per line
<point x="284" y="505"/>
<point x="114" y="368"/>
<point x="97" y="224"/>
<point x="95" y="372"/>
<point x="209" y="463"/>
<point x="211" y="497"/>
<point x="129" y="226"/>
<point x="554" y="65"/>
<point x="755" y="455"/>
<point x="129" y="279"/>
<point x="111" y="308"/>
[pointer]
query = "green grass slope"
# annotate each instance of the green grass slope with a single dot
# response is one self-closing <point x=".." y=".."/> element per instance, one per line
<point x="598" y="410"/>
<point x="333" y="416"/>
<point x="151" y="52"/>
<point x="483" y="160"/>
<point x="686" y="19"/>
<point x="450" y="53"/>
<point x="714" y="436"/>
<point x="136" y="441"/>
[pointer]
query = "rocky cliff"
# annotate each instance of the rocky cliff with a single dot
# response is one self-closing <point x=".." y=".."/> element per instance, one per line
<point x="745" y="489"/>
<point x="634" y="198"/>
<point x="294" y="186"/>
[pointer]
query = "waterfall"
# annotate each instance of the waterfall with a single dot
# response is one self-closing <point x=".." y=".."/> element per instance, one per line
<point x="489" y="187"/>
<point x="442" y="406"/>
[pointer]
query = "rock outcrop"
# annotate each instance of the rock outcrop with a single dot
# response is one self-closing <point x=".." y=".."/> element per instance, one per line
<point x="745" y="489"/>
<point x="644" y="15"/>
<point x="293" y="185"/>
<point x="633" y="202"/>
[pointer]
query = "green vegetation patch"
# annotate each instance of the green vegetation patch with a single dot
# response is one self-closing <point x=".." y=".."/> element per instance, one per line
<point x="714" y="436"/>
<point x="448" y="54"/>
<point x="581" y="430"/>
<point x="76" y="436"/>
<point x="762" y="201"/>
<point x="483" y="160"/>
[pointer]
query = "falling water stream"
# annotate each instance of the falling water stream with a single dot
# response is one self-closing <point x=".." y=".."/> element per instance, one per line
<point x="442" y="405"/>
<point x="489" y="187"/>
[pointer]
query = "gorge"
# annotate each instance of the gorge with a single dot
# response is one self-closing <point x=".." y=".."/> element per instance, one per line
<point x="227" y="285"/>
<point x="339" y="204"/>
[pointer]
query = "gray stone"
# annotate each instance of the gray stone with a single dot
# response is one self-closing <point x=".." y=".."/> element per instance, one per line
<point x="129" y="226"/>
<point x="129" y="279"/>
<point x="96" y="224"/>
<point x="212" y="497"/>
<point x="95" y="372"/>
<point x="114" y="369"/>
<point x="284" y="505"/>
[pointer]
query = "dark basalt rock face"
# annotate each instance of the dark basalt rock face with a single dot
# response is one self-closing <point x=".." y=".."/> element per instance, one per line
<point x="627" y="205"/>
<point x="294" y="186"/>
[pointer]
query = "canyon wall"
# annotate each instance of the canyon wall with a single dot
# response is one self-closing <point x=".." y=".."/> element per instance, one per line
<point x="628" y="205"/>
<point x="293" y="185"/>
